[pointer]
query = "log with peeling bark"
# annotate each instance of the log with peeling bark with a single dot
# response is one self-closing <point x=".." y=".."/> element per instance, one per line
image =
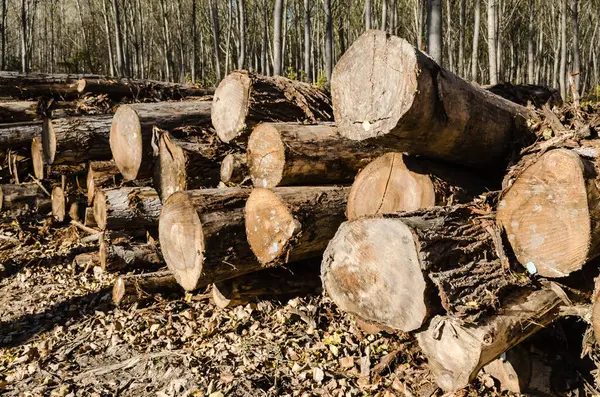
<point x="202" y="236"/>
<point x="131" y="132"/>
<point x="187" y="163"/>
<point x="234" y="169"/>
<point x="101" y="174"/>
<point x="139" y="287"/>
<point x="404" y="100"/>
<point x="289" y="224"/>
<point x="298" y="279"/>
<point x="396" y="269"/>
<point x="398" y="182"/>
<point x="74" y="140"/>
<point x="524" y="94"/>
<point x="33" y="85"/>
<point x="18" y="136"/>
<point x="457" y="351"/>
<point x="244" y="99"/>
<point x="19" y="111"/>
<point x="550" y="211"/>
<point x="23" y="198"/>
<point x="59" y="204"/>
<point x="128" y="256"/>
<point x="140" y="89"/>
<point x="284" y="154"/>
<point x="127" y="208"/>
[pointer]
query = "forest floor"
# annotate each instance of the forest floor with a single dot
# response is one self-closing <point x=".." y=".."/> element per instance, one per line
<point x="60" y="335"/>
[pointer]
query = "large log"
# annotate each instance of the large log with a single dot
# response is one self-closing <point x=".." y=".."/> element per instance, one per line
<point x="244" y="99"/>
<point x="127" y="208"/>
<point x="139" y="287"/>
<point x="18" y="111"/>
<point x="74" y="140"/>
<point x="101" y="174"/>
<point x="456" y="351"/>
<point x="299" y="279"/>
<point x="140" y="89"/>
<point x="395" y="269"/>
<point x="33" y="85"/>
<point x="128" y="256"/>
<point x="187" y="163"/>
<point x="23" y="198"/>
<point x="289" y="224"/>
<point x="18" y="136"/>
<point x="410" y="104"/>
<point x="284" y="154"/>
<point x="202" y="236"/>
<point x="132" y="126"/>
<point x="398" y="182"/>
<point x="550" y="212"/>
<point x="234" y="169"/>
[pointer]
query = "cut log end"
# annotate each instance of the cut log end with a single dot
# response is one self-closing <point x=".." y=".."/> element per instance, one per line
<point x="266" y="156"/>
<point x="270" y="225"/>
<point x="118" y="291"/>
<point x="102" y="255"/>
<point x="230" y="106"/>
<point x="367" y="106"/>
<point x="386" y="185"/>
<point x="58" y="204"/>
<point x="37" y="158"/>
<point x="234" y="168"/>
<point x="48" y="141"/>
<point x="371" y="265"/>
<point x="81" y="84"/>
<point x="173" y="170"/>
<point x="90" y="185"/>
<point x="100" y="210"/>
<point x="182" y="240"/>
<point x="126" y="141"/>
<point x="546" y="215"/>
<point x="222" y="295"/>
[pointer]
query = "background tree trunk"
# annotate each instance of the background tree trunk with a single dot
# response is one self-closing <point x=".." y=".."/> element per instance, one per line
<point x="434" y="30"/>
<point x="277" y="39"/>
<point x="563" y="49"/>
<point x="328" y="40"/>
<point x="492" y="41"/>
<point x="575" y="32"/>
<point x="307" y="36"/>
<point x="475" y="50"/>
<point x="530" y="59"/>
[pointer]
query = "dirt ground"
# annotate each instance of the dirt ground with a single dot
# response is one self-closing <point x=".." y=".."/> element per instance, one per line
<point x="60" y="335"/>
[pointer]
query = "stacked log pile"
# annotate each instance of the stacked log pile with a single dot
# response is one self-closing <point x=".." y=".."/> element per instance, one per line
<point x="388" y="194"/>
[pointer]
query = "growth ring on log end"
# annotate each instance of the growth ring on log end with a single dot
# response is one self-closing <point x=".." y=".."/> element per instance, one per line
<point x="266" y="156"/>
<point x="547" y="217"/>
<point x="369" y="98"/>
<point x="182" y="239"/>
<point x="371" y="269"/>
<point x="387" y="185"/>
<point x="126" y="141"/>
<point x="270" y="225"/>
<point x="230" y="106"/>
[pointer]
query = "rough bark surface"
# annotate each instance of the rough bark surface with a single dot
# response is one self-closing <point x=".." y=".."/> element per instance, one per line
<point x="398" y="182"/>
<point x="33" y="85"/>
<point x="22" y="198"/>
<point x="129" y="256"/>
<point x="134" y="288"/>
<point x="289" y="224"/>
<point x="456" y="352"/>
<point x="397" y="269"/>
<point x="140" y="89"/>
<point x="284" y="154"/>
<point x="101" y="174"/>
<point x="405" y="101"/>
<point x="525" y="94"/>
<point x="127" y="208"/>
<point x="244" y="99"/>
<point x="131" y="132"/>
<point x="18" y="136"/>
<point x="19" y="111"/>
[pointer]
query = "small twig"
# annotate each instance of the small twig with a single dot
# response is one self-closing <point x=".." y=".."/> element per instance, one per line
<point x="11" y="239"/>
<point x="84" y="227"/>
<point x="40" y="185"/>
<point x="92" y="238"/>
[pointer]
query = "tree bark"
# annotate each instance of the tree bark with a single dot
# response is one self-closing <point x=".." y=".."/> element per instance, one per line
<point x="368" y="18"/>
<point x="456" y="352"/>
<point x="492" y="41"/>
<point x="242" y="33"/>
<point x="23" y="198"/>
<point x="307" y="41"/>
<point x="398" y="182"/>
<point x="121" y="66"/>
<point x="244" y="99"/>
<point x="290" y="224"/>
<point x="420" y="107"/>
<point x="299" y="279"/>
<point x="277" y="39"/>
<point x="126" y="208"/>
<point x="34" y="85"/>
<point x="128" y="256"/>
<point x="74" y="140"/>
<point x="131" y="133"/>
<point x="328" y="40"/>
<point x="202" y="236"/>
<point x="461" y="38"/>
<point x="214" y="16"/>
<point x="140" y="89"/>
<point x="100" y="175"/>
<point x="18" y="136"/>
<point x="283" y="154"/>
<point x="550" y="212"/>
<point x="187" y="164"/>
<point x="19" y="111"/>
<point x="234" y="169"/>
<point x="563" y="49"/>
<point x="138" y="287"/>
<point x="434" y="30"/>
<point x="475" y="49"/>
<point x="530" y="38"/>
<point x="575" y="33"/>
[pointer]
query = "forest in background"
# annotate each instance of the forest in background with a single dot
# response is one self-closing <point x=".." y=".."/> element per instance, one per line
<point x="487" y="41"/>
